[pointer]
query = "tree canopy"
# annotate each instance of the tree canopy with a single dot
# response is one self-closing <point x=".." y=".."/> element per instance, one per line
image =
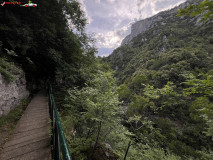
<point x="204" y="8"/>
<point x="48" y="41"/>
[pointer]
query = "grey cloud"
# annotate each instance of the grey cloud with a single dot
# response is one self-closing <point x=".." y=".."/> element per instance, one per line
<point x="104" y="23"/>
<point x="101" y="39"/>
<point x="109" y="19"/>
<point x="122" y="33"/>
<point x="104" y="51"/>
<point x="144" y="9"/>
<point x="159" y="5"/>
<point x="103" y="19"/>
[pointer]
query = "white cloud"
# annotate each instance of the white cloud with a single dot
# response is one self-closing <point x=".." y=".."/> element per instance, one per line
<point x="110" y="19"/>
<point x="112" y="39"/>
<point x="98" y="1"/>
<point x="108" y="40"/>
<point x="84" y="9"/>
<point x="161" y="5"/>
<point x="111" y="1"/>
<point x="104" y="55"/>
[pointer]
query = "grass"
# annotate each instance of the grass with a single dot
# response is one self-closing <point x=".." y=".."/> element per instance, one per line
<point x="7" y="75"/>
<point x="8" y="122"/>
<point x="15" y="114"/>
<point x="8" y="70"/>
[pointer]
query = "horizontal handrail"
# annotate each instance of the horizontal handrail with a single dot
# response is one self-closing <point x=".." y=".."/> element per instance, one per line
<point x="58" y="138"/>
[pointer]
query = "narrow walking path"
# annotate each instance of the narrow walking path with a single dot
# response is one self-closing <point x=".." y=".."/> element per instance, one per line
<point x="30" y="139"/>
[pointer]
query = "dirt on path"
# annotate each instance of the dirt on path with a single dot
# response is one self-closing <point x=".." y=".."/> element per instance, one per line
<point x="30" y="139"/>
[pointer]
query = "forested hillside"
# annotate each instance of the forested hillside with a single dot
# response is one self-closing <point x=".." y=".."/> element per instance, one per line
<point x="165" y="77"/>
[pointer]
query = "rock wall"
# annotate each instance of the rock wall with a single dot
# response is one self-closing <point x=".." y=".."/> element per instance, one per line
<point x="143" y="25"/>
<point x="12" y="93"/>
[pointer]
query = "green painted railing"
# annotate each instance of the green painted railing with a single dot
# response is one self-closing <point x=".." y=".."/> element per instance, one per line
<point x="59" y="145"/>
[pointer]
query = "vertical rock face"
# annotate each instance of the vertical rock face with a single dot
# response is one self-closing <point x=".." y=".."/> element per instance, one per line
<point x="144" y="25"/>
<point x="12" y="93"/>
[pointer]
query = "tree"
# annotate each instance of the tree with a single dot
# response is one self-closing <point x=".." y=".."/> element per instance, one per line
<point x="205" y="8"/>
<point x="124" y="92"/>
<point x="202" y="85"/>
<point x="139" y="81"/>
<point x="45" y="44"/>
<point x="95" y="112"/>
<point x="202" y="106"/>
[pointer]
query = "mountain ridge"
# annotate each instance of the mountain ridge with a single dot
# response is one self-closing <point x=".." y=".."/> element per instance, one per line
<point x="143" y="25"/>
<point x="175" y="33"/>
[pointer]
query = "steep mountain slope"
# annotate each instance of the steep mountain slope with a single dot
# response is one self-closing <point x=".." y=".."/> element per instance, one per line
<point x="164" y="69"/>
<point x="168" y="36"/>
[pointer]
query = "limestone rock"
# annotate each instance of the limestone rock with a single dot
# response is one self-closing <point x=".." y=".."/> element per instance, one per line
<point x="12" y="93"/>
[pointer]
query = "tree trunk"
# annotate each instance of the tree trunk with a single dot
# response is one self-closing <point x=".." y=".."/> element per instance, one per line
<point x="127" y="150"/>
<point x="98" y="135"/>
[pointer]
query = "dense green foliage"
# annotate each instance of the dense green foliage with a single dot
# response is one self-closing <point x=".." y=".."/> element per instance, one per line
<point x="202" y="106"/>
<point x="8" y="69"/>
<point x="42" y="41"/>
<point x="92" y="119"/>
<point x="5" y="69"/>
<point x="205" y="8"/>
<point x="93" y="111"/>
<point x="162" y="108"/>
<point x="165" y="78"/>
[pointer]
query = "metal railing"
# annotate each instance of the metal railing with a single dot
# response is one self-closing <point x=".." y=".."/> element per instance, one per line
<point x="59" y="145"/>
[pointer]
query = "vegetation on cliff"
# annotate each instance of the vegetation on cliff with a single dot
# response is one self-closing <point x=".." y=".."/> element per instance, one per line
<point x="165" y="78"/>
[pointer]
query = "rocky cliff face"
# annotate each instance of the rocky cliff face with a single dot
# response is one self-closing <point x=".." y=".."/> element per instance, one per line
<point x="146" y="24"/>
<point x="162" y="34"/>
<point x="12" y="93"/>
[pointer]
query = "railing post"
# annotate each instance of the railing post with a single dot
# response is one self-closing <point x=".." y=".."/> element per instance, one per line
<point x="58" y="145"/>
<point x="57" y="152"/>
<point x="58" y="138"/>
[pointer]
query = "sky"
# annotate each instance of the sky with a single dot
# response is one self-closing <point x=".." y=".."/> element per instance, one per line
<point x="109" y="21"/>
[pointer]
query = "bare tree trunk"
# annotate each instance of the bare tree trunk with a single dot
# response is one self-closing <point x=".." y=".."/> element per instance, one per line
<point x="127" y="150"/>
<point x="88" y="133"/>
<point x="98" y="135"/>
